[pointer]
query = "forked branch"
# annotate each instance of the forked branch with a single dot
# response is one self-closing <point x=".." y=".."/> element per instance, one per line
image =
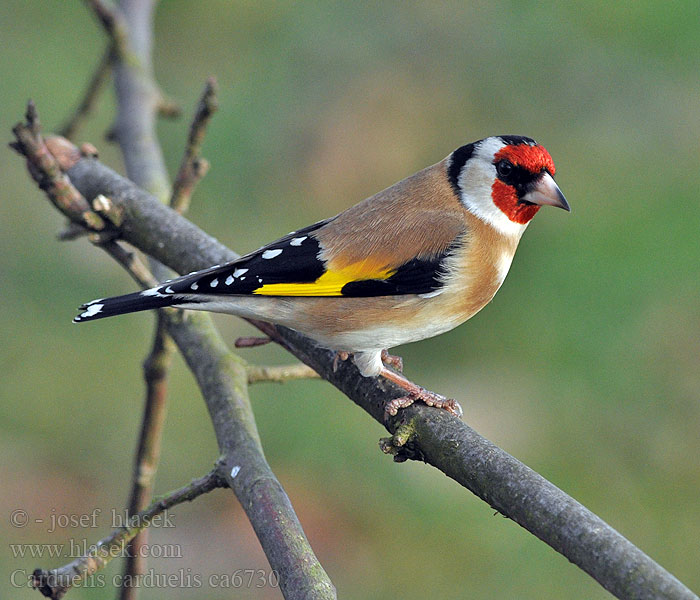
<point x="222" y="378"/>
<point x="443" y="441"/>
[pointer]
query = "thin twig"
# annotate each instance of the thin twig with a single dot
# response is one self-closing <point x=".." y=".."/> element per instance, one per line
<point x="56" y="582"/>
<point x="92" y="92"/>
<point x="193" y="167"/>
<point x="131" y="262"/>
<point x="257" y="374"/>
<point x="113" y="23"/>
<point x="156" y="367"/>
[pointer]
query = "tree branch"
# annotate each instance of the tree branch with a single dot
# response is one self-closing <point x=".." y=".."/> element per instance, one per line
<point x="439" y="439"/>
<point x="56" y="582"/>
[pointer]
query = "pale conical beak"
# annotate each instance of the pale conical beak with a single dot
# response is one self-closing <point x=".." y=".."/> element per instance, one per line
<point x="546" y="191"/>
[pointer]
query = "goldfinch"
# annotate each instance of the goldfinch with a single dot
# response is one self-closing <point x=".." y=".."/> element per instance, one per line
<point x="408" y="263"/>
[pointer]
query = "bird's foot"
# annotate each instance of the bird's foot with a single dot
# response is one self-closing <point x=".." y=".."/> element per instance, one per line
<point x="392" y="361"/>
<point x="427" y="397"/>
<point x="416" y="393"/>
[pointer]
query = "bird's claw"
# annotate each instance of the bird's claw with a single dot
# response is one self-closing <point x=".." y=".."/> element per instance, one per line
<point x="392" y="361"/>
<point x="426" y="397"/>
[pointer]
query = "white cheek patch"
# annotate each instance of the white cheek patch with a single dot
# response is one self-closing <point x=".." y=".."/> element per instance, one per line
<point x="476" y="181"/>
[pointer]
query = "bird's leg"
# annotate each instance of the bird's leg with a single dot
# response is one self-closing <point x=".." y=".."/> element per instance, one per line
<point x="393" y="361"/>
<point x="415" y="392"/>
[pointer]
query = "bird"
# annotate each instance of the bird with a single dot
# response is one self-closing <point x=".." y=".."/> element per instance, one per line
<point x="408" y="263"/>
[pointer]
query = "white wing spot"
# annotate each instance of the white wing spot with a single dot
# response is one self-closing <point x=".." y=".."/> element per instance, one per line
<point x="298" y="241"/>
<point x="169" y="290"/>
<point x="229" y="280"/>
<point x="194" y="286"/>
<point x="268" y="254"/>
<point x="239" y="272"/>
<point x="91" y="311"/>
<point x="151" y="292"/>
<point x="214" y="282"/>
<point x="235" y="471"/>
<point x="242" y="278"/>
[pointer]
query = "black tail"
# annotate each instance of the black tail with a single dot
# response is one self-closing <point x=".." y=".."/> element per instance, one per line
<point x="119" y="305"/>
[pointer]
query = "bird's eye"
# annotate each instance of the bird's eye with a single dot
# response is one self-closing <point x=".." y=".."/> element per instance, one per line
<point x="504" y="168"/>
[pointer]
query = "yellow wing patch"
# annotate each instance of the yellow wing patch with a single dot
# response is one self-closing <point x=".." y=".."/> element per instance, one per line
<point x="329" y="284"/>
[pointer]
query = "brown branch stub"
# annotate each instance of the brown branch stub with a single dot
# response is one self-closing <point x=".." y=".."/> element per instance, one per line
<point x="193" y="167"/>
<point x="167" y="107"/>
<point x="106" y="208"/>
<point x="87" y="150"/>
<point x="251" y="341"/>
<point x="56" y="582"/>
<point x="401" y="444"/>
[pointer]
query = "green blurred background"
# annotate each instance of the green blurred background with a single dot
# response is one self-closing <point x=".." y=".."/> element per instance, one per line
<point x="585" y="366"/>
